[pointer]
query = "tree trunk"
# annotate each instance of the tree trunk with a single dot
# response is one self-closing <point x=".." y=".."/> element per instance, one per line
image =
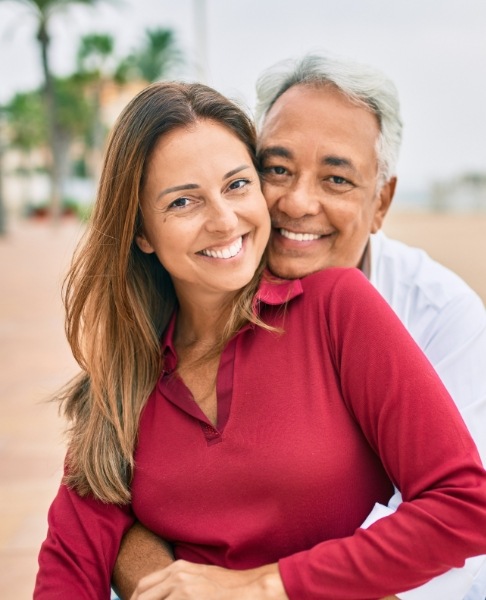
<point x="3" y="215"/>
<point x="51" y="106"/>
<point x="98" y="134"/>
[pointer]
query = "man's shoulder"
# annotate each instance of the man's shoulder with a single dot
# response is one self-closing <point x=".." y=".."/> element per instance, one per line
<point x="404" y="273"/>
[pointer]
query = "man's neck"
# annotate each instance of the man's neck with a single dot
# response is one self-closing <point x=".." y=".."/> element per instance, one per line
<point x="365" y="264"/>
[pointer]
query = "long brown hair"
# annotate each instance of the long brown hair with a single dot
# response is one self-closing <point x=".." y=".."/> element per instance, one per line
<point x="118" y="300"/>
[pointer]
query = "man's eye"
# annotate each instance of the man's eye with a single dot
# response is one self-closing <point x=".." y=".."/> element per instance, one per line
<point x="275" y="170"/>
<point x="179" y="203"/>
<point x="338" y="180"/>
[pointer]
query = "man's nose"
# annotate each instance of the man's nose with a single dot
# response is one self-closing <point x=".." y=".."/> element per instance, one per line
<point x="300" y="199"/>
<point x="222" y="216"/>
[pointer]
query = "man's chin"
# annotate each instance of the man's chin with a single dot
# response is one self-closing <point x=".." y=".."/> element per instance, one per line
<point x="289" y="271"/>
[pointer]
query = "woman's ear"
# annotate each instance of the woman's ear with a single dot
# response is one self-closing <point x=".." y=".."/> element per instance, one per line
<point x="143" y="243"/>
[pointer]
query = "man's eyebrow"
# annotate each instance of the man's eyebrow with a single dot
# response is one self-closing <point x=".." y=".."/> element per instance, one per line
<point x="337" y="161"/>
<point x="282" y="152"/>
<point x="275" y="151"/>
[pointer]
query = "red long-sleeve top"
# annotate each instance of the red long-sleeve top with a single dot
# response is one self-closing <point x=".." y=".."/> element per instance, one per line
<point x="314" y="426"/>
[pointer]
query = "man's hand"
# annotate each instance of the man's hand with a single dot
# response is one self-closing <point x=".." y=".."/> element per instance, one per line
<point x="188" y="581"/>
<point x="141" y="552"/>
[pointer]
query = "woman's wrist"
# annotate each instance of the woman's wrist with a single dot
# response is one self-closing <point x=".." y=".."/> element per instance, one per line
<point x="270" y="583"/>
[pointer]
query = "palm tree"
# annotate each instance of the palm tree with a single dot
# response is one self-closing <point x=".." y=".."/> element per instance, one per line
<point x="3" y="224"/>
<point x="96" y="65"/>
<point x="43" y="11"/>
<point x="25" y="118"/>
<point x="157" y="57"/>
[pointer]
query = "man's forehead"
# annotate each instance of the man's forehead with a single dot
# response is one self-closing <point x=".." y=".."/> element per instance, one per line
<point x="306" y="104"/>
<point x="323" y="121"/>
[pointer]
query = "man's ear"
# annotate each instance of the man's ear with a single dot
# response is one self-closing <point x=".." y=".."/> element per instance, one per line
<point x="385" y="197"/>
<point x="143" y="243"/>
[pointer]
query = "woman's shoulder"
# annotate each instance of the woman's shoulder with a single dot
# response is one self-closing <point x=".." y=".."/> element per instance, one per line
<point x="335" y="277"/>
<point x="327" y="287"/>
<point x="341" y="290"/>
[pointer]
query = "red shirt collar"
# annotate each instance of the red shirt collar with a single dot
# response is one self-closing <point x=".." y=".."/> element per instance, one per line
<point x="272" y="290"/>
<point x="275" y="291"/>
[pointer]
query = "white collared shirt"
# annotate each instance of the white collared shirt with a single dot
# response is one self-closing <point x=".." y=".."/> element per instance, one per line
<point x="447" y="319"/>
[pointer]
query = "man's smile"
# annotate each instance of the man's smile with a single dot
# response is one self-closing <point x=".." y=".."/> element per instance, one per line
<point x="298" y="236"/>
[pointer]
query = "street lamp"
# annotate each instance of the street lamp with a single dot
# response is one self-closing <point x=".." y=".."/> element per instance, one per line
<point x="200" y="36"/>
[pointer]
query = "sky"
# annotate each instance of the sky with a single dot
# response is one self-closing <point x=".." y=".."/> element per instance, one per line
<point x="434" y="51"/>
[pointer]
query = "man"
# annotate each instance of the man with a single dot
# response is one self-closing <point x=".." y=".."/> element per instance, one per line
<point x="330" y="133"/>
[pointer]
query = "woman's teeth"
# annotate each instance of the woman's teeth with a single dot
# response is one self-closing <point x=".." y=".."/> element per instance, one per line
<point x="229" y="252"/>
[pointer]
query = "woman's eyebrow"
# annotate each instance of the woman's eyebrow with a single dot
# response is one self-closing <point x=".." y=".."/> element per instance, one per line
<point x="178" y="188"/>
<point x="234" y="171"/>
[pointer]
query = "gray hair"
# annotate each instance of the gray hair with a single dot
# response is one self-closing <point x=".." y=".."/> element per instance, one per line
<point x="362" y="84"/>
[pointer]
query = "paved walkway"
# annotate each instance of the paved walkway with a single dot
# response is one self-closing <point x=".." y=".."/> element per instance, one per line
<point x="34" y="361"/>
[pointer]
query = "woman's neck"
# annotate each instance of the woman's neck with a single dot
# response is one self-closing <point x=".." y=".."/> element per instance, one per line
<point x="201" y="322"/>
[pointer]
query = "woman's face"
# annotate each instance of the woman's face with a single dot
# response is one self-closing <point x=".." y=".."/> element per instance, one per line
<point x="204" y="214"/>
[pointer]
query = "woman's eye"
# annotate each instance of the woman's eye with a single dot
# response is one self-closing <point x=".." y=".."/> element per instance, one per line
<point x="179" y="203"/>
<point x="238" y="184"/>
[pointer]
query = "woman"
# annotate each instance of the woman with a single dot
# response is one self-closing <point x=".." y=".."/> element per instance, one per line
<point x="231" y="413"/>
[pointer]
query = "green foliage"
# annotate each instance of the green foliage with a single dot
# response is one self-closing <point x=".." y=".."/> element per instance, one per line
<point x="65" y="114"/>
<point x="26" y="118"/>
<point x="26" y="114"/>
<point x="156" y="58"/>
<point x="96" y="51"/>
<point x="74" y="111"/>
<point x="79" y="168"/>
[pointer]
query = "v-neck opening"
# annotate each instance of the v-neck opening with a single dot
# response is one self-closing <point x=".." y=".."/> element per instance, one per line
<point x="175" y="391"/>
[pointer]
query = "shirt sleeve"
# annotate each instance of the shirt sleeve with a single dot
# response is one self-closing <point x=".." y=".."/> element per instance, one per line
<point x="453" y="585"/>
<point x="409" y="419"/>
<point x="455" y="343"/>
<point x="77" y="558"/>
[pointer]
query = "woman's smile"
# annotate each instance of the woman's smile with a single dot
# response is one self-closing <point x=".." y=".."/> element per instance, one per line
<point x="204" y="214"/>
<point x="224" y="251"/>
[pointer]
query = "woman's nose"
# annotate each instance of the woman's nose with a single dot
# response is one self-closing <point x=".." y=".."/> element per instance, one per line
<point x="222" y="216"/>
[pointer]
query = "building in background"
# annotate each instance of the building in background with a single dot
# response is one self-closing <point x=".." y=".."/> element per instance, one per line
<point x="464" y="193"/>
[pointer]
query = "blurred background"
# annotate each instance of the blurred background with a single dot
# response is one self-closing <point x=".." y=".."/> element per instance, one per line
<point x="67" y="68"/>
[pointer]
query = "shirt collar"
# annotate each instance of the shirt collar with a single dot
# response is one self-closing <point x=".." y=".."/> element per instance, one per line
<point x="272" y="290"/>
<point x="375" y="248"/>
<point x="275" y="291"/>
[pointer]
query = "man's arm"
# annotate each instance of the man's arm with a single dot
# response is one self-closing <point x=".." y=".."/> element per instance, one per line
<point x="141" y="553"/>
<point x="452" y="585"/>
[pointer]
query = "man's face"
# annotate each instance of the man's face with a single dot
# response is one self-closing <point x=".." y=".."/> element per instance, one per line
<point x="319" y="166"/>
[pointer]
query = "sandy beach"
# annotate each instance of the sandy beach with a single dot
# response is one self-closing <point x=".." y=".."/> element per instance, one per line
<point x="36" y="360"/>
<point x="456" y="240"/>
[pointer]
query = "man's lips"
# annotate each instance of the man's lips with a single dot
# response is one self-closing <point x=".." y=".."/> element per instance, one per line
<point x="298" y="236"/>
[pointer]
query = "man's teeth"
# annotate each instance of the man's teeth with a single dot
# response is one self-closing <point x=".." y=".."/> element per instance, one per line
<point x="300" y="237"/>
<point x="229" y="252"/>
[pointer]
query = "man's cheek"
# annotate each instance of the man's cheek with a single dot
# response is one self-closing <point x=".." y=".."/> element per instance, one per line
<point x="270" y="194"/>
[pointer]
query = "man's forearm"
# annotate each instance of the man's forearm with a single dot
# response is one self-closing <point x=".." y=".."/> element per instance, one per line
<point x="141" y="553"/>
